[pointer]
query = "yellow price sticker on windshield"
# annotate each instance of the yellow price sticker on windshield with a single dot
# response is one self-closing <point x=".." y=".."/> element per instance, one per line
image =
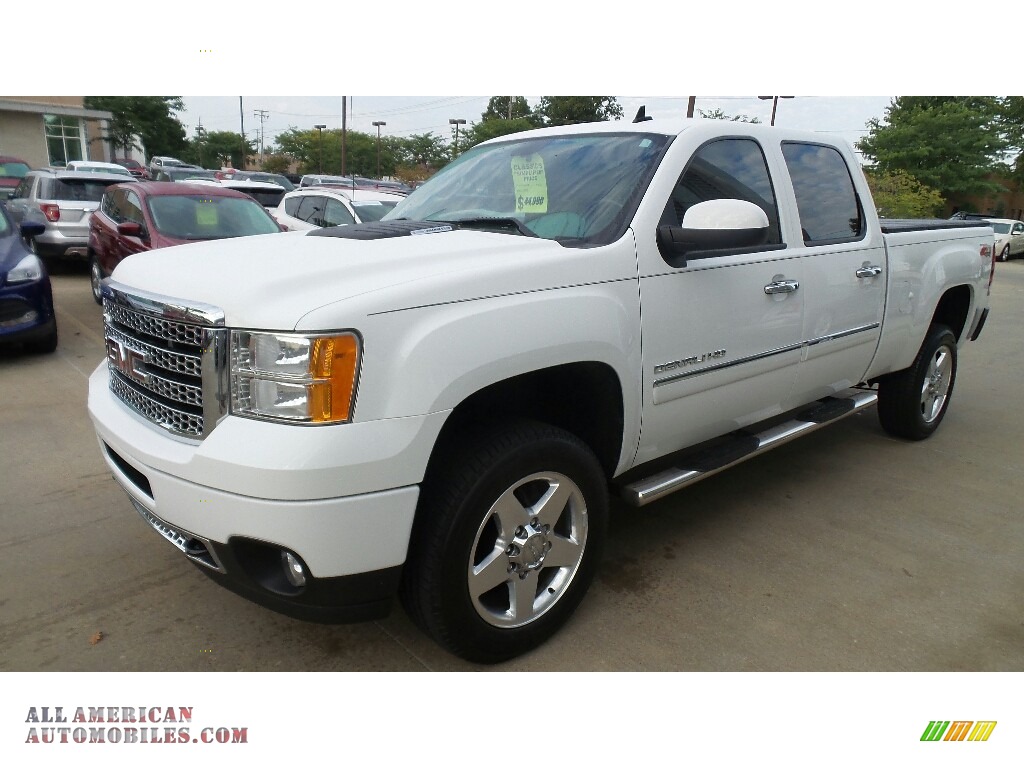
<point x="206" y="215"/>
<point x="531" y="185"/>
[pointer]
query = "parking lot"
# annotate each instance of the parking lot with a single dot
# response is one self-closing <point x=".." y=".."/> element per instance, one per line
<point x="846" y="550"/>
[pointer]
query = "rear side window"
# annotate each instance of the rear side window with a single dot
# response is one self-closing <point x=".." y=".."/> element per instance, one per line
<point x="336" y="214"/>
<point x="731" y="169"/>
<point x="825" y="196"/>
<point x="291" y="205"/>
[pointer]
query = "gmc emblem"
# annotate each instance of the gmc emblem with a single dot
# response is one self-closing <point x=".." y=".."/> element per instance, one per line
<point x="126" y="360"/>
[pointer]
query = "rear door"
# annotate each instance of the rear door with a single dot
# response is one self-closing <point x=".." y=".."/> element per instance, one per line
<point x="844" y="271"/>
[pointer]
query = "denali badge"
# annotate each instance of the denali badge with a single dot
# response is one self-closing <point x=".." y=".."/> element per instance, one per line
<point x="689" y="361"/>
<point x="126" y="360"/>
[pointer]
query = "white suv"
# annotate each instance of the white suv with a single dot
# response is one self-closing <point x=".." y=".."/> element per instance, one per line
<point x="314" y="207"/>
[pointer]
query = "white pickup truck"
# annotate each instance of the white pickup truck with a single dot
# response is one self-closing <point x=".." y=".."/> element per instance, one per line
<point x="438" y="405"/>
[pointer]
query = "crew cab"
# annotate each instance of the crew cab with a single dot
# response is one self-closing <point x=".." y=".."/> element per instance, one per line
<point x="438" y="404"/>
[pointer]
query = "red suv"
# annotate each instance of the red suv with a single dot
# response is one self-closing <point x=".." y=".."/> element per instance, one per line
<point x="135" y="168"/>
<point x="142" y="216"/>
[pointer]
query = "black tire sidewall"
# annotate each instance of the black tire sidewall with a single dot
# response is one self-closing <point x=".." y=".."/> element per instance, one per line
<point x="457" y="508"/>
<point x="899" y="406"/>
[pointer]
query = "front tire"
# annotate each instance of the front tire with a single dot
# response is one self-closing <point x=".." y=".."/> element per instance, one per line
<point x="1004" y="255"/>
<point x="911" y="403"/>
<point x="95" y="278"/>
<point x="507" y="539"/>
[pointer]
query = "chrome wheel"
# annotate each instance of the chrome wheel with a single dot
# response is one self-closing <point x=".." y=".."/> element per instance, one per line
<point x="95" y="278"/>
<point x="1005" y="254"/>
<point x="935" y="388"/>
<point x="527" y="550"/>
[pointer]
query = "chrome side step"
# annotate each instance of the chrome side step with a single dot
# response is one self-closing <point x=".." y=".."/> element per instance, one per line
<point x="815" y="417"/>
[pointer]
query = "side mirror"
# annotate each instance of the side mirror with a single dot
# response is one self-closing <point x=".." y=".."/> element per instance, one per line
<point x="30" y="229"/>
<point x="130" y="229"/>
<point x="713" y="225"/>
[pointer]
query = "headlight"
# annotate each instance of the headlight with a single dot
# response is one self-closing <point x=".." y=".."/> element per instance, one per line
<point x="294" y="377"/>
<point x="28" y="269"/>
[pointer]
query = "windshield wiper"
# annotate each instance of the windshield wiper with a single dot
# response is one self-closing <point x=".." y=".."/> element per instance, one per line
<point x="494" y="222"/>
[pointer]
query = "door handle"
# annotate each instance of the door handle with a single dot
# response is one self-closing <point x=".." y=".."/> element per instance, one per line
<point x="869" y="270"/>
<point x="781" y="286"/>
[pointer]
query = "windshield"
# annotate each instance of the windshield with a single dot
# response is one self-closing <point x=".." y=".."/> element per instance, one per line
<point x="273" y="178"/>
<point x="269" y="198"/>
<point x="372" y="210"/>
<point x="1001" y="229"/>
<point x="94" y="169"/>
<point x="578" y="189"/>
<point x="183" y="174"/>
<point x="207" y="217"/>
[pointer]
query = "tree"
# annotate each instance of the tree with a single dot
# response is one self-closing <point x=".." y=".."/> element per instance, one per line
<point x="214" y="149"/>
<point x="149" y="117"/>
<point x="951" y="144"/>
<point x="276" y="163"/>
<point x="510" y="108"/>
<point x="898" y="195"/>
<point x="718" y="114"/>
<point x="491" y="129"/>
<point x="567" y="110"/>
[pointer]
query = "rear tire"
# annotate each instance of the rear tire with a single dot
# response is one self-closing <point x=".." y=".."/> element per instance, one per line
<point x="507" y="539"/>
<point x="911" y="403"/>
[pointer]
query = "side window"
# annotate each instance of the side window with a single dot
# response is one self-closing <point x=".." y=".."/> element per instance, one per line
<point x="336" y="214"/>
<point x="726" y="169"/>
<point x="291" y="206"/>
<point x="825" y="196"/>
<point x="131" y="209"/>
<point x="23" y="187"/>
<point x="1018" y="229"/>
<point x="114" y="206"/>
<point x="311" y="210"/>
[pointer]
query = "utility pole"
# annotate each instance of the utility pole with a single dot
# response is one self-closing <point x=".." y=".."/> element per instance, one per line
<point x="241" y="117"/>
<point x="200" y="135"/>
<point x="377" y="124"/>
<point x="262" y="115"/>
<point x="344" y="129"/>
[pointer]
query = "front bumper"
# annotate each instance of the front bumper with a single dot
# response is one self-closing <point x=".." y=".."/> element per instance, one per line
<point x="252" y="490"/>
<point x="26" y="312"/>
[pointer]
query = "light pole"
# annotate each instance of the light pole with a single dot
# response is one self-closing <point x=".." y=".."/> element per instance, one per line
<point x="378" y="124"/>
<point x="456" y="122"/>
<point x="775" y="103"/>
<point x="320" y="163"/>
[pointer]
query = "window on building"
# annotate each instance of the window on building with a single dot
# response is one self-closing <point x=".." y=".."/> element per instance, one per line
<point x="65" y="139"/>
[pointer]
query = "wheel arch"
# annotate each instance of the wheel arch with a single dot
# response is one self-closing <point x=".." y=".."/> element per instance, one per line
<point x="584" y="398"/>
<point x="953" y="310"/>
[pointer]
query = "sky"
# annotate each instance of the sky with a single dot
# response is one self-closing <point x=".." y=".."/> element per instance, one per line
<point x="838" y="116"/>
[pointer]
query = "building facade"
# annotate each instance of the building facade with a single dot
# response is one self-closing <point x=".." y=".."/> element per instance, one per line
<point x="52" y="130"/>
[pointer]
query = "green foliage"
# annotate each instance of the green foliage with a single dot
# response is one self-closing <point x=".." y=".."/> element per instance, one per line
<point x="898" y="195"/>
<point x="491" y="129"/>
<point x="213" y="149"/>
<point x="951" y="144"/>
<point x="718" y="114"/>
<point x="276" y="164"/>
<point x="149" y="117"/>
<point x="568" y="110"/>
<point x="510" y="108"/>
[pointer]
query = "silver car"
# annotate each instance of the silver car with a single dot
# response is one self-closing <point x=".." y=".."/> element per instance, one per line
<point x="63" y="201"/>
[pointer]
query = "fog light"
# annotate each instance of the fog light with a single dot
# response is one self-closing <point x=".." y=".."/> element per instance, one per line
<point x="294" y="571"/>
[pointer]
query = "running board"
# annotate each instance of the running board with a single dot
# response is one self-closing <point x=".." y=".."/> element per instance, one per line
<point x="744" y="447"/>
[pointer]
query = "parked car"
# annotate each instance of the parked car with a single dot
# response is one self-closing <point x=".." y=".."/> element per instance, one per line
<point x="12" y="171"/>
<point x="26" y="299"/>
<point x="314" y="207"/>
<point x="160" y="162"/>
<point x="322" y="180"/>
<point x="384" y="186"/>
<point x="146" y="215"/>
<point x="93" y="166"/>
<point x="183" y="174"/>
<point x="135" y="168"/>
<point x="63" y="201"/>
<point x="1009" y="237"/>
<point x="267" y="195"/>
<point x="271" y="178"/>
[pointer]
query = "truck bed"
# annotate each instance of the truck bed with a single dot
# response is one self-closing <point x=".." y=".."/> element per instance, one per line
<point x="892" y="226"/>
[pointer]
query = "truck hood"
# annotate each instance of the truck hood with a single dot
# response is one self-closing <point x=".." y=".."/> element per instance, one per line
<point x="273" y="281"/>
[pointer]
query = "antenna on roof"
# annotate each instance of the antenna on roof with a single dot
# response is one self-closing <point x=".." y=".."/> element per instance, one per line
<point x="641" y="115"/>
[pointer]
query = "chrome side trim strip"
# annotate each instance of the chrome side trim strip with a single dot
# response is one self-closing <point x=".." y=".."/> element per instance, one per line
<point x="764" y="355"/>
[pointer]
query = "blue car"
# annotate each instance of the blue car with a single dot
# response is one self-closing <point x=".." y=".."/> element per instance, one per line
<point x="26" y="300"/>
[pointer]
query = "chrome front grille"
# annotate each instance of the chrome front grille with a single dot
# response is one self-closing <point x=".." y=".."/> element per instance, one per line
<point x="167" y="360"/>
